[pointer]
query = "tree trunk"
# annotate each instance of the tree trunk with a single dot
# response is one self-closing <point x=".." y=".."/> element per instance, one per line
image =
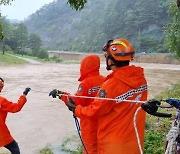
<point x="3" y="46"/>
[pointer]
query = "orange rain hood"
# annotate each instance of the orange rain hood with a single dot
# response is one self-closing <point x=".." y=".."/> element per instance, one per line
<point x="89" y="64"/>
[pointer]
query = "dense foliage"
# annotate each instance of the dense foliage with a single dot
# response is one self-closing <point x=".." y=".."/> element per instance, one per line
<point x="173" y="30"/>
<point x="62" y="28"/>
<point x="77" y="4"/>
<point x="16" y="38"/>
<point x="5" y="2"/>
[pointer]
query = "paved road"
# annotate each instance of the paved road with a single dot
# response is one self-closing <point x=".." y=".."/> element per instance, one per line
<point x="27" y="59"/>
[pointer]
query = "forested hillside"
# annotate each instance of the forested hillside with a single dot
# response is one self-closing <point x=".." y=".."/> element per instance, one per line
<point x="140" y="21"/>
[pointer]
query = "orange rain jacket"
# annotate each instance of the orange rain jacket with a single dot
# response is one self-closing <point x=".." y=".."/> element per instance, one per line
<point x="116" y="133"/>
<point x="89" y="86"/>
<point x="5" y="107"/>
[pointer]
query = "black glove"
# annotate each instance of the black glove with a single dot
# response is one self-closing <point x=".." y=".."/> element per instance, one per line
<point x="71" y="105"/>
<point x="26" y="91"/>
<point x="55" y="93"/>
<point x="151" y="106"/>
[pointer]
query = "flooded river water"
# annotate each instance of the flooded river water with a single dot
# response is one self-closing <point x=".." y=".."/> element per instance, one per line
<point x="45" y="120"/>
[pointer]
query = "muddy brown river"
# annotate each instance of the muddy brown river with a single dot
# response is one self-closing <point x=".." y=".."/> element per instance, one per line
<point x="46" y="121"/>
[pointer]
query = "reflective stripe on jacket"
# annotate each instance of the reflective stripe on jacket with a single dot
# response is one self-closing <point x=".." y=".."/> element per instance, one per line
<point x="88" y="87"/>
<point x="116" y="133"/>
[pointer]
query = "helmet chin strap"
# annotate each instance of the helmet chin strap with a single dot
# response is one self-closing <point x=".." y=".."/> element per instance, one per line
<point x="1" y="85"/>
<point x="108" y="67"/>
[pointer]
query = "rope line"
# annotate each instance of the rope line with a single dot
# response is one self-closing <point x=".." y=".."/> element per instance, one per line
<point x="109" y="99"/>
<point x="40" y="91"/>
<point x="135" y="127"/>
<point x="78" y="130"/>
<point x="98" y="98"/>
<point x="173" y="134"/>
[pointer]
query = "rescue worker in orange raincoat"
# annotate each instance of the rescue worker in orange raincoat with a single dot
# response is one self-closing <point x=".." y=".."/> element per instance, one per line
<point x="6" y="140"/>
<point x="116" y="131"/>
<point x="91" y="81"/>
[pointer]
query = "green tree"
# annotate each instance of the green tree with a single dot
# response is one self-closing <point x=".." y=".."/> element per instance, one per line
<point x="1" y="32"/>
<point x="173" y="30"/>
<point x="21" y="35"/>
<point x="178" y="3"/>
<point x="5" y="2"/>
<point x="77" y="4"/>
<point x="34" y="43"/>
<point x="42" y="53"/>
<point x="6" y="31"/>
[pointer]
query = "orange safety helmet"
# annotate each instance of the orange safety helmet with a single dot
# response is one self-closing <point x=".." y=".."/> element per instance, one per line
<point x="1" y="84"/>
<point x="119" y="49"/>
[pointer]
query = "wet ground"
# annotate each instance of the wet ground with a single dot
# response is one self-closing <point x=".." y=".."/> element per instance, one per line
<point x="45" y="120"/>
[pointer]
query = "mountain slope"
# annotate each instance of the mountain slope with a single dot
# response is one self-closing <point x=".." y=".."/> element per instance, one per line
<point x="62" y="28"/>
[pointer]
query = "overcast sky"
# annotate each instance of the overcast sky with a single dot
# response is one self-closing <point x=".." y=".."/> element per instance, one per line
<point x="20" y="9"/>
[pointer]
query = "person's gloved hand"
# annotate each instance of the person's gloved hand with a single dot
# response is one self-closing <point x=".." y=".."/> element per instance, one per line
<point x="174" y="102"/>
<point x="71" y="105"/>
<point x="26" y="91"/>
<point x="151" y="106"/>
<point x="55" y="93"/>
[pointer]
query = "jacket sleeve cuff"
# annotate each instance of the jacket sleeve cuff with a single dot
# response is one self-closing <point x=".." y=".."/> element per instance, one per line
<point x="78" y="111"/>
<point x="23" y="98"/>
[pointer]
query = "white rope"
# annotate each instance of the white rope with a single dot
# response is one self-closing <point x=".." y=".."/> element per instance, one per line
<point x="172" y="135"/>
<point x="110" y="99"/>
<point x="135" y="115"/>
<point x="117" y="100"/>
<point x="135" y="127"/>
<point x="99" y="98"/>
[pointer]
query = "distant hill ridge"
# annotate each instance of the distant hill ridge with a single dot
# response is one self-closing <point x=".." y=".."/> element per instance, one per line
<point x="62" y="28"/>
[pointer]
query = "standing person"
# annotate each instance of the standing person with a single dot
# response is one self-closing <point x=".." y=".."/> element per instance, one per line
<point x="6" y="140"/>
<point x="116" y="132"/>
<point x="90" y="82"/>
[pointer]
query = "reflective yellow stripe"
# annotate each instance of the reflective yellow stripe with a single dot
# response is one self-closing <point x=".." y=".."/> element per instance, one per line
<point x="119" y="43"/>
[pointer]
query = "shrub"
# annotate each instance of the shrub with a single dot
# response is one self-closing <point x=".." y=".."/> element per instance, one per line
<point x="42" y="53"/>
